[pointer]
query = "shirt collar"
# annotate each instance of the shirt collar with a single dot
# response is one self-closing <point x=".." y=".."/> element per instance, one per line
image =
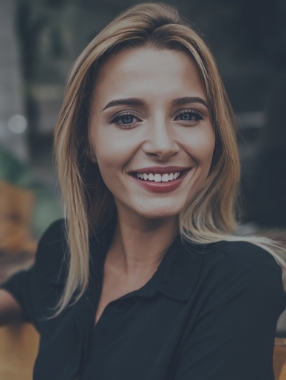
<point x="181" y="272"/>
<point x="177" y="273"/>
<point x="175" y="277"/>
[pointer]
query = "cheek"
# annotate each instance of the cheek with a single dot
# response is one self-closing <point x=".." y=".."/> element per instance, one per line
<point x="114" y="147"/>
<point x="103" y="143"/>
<point x="200" y="144"/>
<point x="111" y="153"/>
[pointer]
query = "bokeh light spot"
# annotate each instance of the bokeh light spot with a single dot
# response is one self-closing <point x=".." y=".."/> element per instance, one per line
<point x="17" y="124"/>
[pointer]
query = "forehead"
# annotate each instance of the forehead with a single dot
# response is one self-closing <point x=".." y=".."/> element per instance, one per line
<point x="145" y="70"/>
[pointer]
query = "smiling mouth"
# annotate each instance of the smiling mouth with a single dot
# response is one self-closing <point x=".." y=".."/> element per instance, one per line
<point x="166" y="177"/>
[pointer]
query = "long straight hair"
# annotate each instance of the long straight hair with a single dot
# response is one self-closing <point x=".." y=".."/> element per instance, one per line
<point x="213" y="214"/>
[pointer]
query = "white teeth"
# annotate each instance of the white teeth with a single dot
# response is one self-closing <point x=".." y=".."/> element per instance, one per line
<point x="165" y="177"/>
<point x="158" y="177"/>
<point x="176" y="175"/>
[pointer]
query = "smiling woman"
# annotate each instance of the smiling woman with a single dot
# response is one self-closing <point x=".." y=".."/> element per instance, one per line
<point x="149" y="111"/>
<point x="145" y="278"/>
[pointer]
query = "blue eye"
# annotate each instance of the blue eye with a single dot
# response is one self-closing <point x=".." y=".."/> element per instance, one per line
<point x="127" y="119"/>
<point x="124" y="119"/>
<point x="190" y="116"/>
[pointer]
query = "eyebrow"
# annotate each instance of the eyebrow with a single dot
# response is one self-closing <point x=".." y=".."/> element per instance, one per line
<point x="189" y="99"/>
<point x="138" y="102"/>
<point x="125" y="102"/>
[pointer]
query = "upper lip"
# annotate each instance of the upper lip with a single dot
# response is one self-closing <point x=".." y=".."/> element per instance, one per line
<point x="160" y="169"/>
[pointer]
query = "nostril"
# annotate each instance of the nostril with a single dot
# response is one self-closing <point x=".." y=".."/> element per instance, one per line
<point x="160" y="147"/>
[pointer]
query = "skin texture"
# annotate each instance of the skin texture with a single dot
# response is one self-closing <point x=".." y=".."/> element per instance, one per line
<point x="156" y="135"/>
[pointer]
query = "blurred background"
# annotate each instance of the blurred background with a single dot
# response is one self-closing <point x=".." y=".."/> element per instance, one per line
<point x="40" y="40"/>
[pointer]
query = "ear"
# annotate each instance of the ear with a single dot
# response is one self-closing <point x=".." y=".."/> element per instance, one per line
<point x="92" y="156"/>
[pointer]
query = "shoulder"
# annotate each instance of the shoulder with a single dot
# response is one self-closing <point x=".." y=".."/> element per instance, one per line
<point x="54" y="234"/>
<point x="52" y="247"/>
<point x="241" y="253"/>
<point x="225" y="260"/>
<point x="241" y="267"/>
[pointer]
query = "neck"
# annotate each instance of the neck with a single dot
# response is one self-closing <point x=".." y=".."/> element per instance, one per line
<point x="139" y="245"/>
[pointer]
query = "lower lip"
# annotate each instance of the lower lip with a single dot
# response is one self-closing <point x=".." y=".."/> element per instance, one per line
<point x="161" y="187"/>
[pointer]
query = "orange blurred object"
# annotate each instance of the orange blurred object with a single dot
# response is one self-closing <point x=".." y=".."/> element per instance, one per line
<point x="279" y="359"/>
<point x="18" y="350"/>
<point x="16" y="210"/>
<point x="17" y="246"/>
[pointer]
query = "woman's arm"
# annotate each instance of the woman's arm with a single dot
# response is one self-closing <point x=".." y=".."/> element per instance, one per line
<point x="10" y="310"/>
<point x="18" y="300"/>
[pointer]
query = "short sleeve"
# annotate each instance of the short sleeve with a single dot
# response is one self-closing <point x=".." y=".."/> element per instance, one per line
<point x="19" y="286"/>
<point x="234" y="334"/>
<point x="25" y="286"/>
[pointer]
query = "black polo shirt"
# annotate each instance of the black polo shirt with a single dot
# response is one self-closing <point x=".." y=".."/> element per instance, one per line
<point x="209" y="312"/>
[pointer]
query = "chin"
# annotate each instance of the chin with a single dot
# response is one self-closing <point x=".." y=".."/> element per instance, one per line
<point x="159" y="213"/>
<point x="151" y="208"/>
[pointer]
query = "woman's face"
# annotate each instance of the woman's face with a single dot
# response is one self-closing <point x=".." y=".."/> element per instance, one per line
<point x="150" y="119"/>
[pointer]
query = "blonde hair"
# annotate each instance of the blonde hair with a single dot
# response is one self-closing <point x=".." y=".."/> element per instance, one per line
<point x="212" y="215"/>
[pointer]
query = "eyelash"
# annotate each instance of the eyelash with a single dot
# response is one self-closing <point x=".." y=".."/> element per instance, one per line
<point x="193" y="113"/>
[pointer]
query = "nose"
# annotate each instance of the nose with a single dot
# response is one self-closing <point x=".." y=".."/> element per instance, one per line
<point x="160" y="141"/>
